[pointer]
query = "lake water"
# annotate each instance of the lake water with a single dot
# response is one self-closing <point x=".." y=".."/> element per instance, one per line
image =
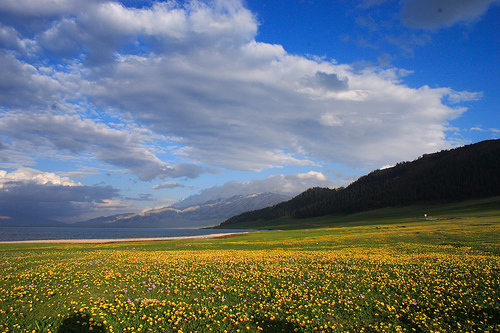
<point x="53" y="233"/>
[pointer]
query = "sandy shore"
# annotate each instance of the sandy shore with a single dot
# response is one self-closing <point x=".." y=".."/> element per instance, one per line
<point x="105" y="241"/>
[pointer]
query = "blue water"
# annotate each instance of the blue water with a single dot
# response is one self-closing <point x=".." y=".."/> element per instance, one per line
<point x="53" y="233"/>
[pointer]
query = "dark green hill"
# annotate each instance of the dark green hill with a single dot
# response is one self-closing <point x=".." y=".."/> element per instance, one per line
<point x="458" y="174"/>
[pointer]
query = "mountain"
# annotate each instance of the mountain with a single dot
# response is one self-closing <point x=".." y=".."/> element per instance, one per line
<point x="204" y="215"/>
<point x="463" y="173"/>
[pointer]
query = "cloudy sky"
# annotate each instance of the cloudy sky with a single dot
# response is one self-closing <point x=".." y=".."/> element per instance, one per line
<point x="121" y="106"/>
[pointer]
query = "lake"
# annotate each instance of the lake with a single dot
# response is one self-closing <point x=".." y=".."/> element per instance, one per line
<point x="54" y="233"/>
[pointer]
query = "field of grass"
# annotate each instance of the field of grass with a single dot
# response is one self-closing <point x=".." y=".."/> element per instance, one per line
<point x="400" y="275"/>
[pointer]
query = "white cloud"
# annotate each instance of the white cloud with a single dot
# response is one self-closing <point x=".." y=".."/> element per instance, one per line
<point x="311" y="175"/>
<point x="193" y="80"/>
<point x="28" y="175"/>
<point x="433" y="14"/>
<point x="126" y="148"/>
<point x="24" y="85"/>
<point x="230" y="114"/>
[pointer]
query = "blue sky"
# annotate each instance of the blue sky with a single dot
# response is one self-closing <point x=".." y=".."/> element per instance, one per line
<point x="109" y="107"/>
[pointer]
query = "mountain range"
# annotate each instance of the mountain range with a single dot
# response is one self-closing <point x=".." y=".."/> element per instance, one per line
<point x="203" y="215"/>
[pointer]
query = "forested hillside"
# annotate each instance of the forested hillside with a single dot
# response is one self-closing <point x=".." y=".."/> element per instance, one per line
<point x="463" y="173"/>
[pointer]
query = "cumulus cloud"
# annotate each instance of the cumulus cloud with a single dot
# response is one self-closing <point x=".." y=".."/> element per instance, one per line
<point x="433" y="14"/>
<point x="123" y="148"/>
<point x="191" y="78"/>
<point x="28" y="175"/>
<point x="288" y="185"/>
<point x="255" y="118"/>
<point x="29" y="195"/>
<point x="23" y="84"/>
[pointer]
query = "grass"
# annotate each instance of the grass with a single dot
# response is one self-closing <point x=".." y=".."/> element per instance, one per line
<point x="401" y="274"/>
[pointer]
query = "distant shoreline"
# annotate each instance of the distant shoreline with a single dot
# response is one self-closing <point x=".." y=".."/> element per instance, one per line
<point x="120" y="240"/>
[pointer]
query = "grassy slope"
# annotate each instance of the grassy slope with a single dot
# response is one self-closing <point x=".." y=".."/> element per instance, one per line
<point x="472" y="208"/>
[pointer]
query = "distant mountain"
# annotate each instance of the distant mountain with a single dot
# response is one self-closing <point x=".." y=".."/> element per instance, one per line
<point x="203" y="215"/>
<point x="463" y="173"/>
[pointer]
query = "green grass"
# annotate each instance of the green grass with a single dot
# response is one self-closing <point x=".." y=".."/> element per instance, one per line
<point x="393" y="272"/>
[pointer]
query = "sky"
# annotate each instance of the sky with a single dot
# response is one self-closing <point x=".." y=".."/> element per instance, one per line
<point x="109" y="107"/>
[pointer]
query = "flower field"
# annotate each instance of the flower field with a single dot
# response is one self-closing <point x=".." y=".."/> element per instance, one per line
<point x="364" y="279"/>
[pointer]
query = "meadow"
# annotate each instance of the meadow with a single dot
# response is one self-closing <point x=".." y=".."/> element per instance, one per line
<point x="406" y="275"/>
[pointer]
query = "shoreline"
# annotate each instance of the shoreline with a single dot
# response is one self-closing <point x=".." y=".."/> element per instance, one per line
<point x="120" y="240"/>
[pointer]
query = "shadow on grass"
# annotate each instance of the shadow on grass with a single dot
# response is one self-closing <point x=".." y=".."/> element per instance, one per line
<point x="81" y="323"/>
<point x="273" y="326"/>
